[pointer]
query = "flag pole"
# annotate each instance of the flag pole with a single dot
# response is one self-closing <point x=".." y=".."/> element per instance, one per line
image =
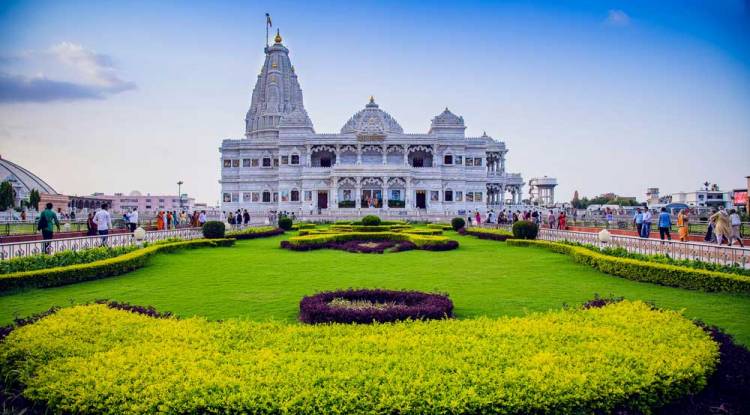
<point x="267" y="17"/>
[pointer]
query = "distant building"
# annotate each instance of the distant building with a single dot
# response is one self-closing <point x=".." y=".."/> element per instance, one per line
<point x="542" y="191"/>
<point x="148" y="203"/>
<point x="23" y="181"/>
<point x="703" y="198"/>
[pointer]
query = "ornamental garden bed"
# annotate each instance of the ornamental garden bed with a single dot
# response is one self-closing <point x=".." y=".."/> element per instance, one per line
<point x="626" y="357"/>
<point x="339" y="241"/>
<point x="369" y="306"/>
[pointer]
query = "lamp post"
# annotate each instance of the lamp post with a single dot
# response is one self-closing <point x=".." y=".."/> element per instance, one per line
<point x="179" y="191"/>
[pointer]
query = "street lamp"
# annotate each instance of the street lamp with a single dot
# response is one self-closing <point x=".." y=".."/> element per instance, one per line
<point x="179" y="191"/>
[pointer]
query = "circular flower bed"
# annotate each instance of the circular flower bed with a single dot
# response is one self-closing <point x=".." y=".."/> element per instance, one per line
<point x="368" y="306"/>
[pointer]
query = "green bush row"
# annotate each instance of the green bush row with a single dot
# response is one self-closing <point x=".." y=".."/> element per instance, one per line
<point x="63" y="258"/>
<point x="623" y="357"/>
<point x="364" y="228"/>
<point x="645" y="271"/>
<point x="98" y="269"/>
<point x="441" y="226"/>
<point x="485" y="233"/>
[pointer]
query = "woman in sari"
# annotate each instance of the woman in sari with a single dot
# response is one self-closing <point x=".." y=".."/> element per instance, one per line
<point x="563" y="221"/>
<point x="682" y="225"/>
<point x="160" y="221"/>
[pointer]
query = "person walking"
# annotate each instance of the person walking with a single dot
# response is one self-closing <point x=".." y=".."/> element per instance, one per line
<point x="562" y="221"/>
<point x="638" y="221"/>
<point x="682" y="225"/>
<point x="133" y="219"/>
<point x="202" y="218"/>
<point x="551" y="219"/>
<point x="103" y="222"/>
<point x="710" y="237"/>
<point x="90" y="225"/>
<point x="722" y="225"/>
<point x="478" y="217"/>
<point x="47" y="219"/>
<point x="646" y="226"/>
<point x="665" y="224"/>
<point x="246" y="217"/>
<point x="735" y="221"/>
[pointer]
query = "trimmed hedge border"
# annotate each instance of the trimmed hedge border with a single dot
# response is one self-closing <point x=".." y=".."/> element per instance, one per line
<point x="410" y="305"/>
<point x="118" y="265"/>
<point x="318" y="241"/>
<point x="644" y="271"/>
<point x="492" y="234"/>
<point x="244" y="234"/>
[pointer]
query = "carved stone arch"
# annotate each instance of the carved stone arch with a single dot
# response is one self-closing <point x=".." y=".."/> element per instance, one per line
<point x="426" y="149"/>
<point x="396" y="181"/>
<point x="347" y="181"/>
<point x="372" y="148"/>
<point x="323" y="148"/>
<point x="348" y="148"/>
<point x="372" y="181"/>
<point x="395" y="148"/>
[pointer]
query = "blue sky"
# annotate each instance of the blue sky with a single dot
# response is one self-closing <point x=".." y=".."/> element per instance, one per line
<point x="605" y="96"/>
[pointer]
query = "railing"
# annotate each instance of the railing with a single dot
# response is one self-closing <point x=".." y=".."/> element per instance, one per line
<point x="22" y="249"/>
<point x="716" y="254"/>
<point x="694" y="228"/>
<point x="28" y="227"/>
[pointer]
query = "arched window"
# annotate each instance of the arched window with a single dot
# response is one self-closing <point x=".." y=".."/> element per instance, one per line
<point x="294" y="195"/>
<point x="266" y="196"/>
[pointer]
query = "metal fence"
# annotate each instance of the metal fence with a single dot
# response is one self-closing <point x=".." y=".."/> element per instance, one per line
<point x="22" y="249"/>
<point x="694" y="228"/>
<point x="716" y="254"/>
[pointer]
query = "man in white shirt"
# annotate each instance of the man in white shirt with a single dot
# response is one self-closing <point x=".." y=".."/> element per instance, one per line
<point x="133" y="219"/>
<point x="103" y="222"/>
<point x="202" y="217"/>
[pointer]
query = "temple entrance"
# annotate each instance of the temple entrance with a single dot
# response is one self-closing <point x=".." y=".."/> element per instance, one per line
<point x="322" y="200"/>
<point x="421" y="199"/>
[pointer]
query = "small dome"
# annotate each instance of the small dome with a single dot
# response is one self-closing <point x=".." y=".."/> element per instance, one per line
<point x="22" y="180"/>
<point x="135" y="193"/>
<point x="372" y="121"/>
<point x="447" y="119"/>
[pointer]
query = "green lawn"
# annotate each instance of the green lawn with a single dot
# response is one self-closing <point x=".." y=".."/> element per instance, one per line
<point x="258" y="280"/>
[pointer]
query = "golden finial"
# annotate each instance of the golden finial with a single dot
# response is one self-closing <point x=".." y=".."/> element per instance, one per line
<point x="277" y="39"/>
<point x="372" y="99"/>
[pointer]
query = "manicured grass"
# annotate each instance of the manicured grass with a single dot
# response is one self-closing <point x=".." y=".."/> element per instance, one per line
<point x="259" y="281"/>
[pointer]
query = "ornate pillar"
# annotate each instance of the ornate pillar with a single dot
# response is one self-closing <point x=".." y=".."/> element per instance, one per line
<point x="334" y="196"/>
<point x="502" y="162"/>
<point x="407" y="194"/>
<point x="385" y="153"/>
<point x="359" y="153"/>
<point x="357" y="191"/>
<point x="336" y="154"/>
<point x="385" y="192"/>
<point x="308" y="155"/>
<point x="406" y="154"/>
<point x="434" y="155"/>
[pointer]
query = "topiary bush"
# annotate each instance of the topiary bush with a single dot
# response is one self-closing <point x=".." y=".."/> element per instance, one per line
<point x="369" y="306"/>
<point x="525" y="230"/>
<point x="213" y="229"/>
<point x="458" y="223"/>
<point x="371" y="220"/>
<point x="285" y="223"/>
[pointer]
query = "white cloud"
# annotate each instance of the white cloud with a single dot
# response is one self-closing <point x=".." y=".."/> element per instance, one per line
<point x="95" y="76"/>
<point x="617" y="18"/>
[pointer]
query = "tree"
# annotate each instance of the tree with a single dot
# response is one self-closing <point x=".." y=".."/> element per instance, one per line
<point x="7" y="196"/>
<point x="34" y="199"/>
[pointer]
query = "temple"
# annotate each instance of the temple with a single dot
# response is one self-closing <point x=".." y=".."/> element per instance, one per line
<point x="370" y="166"/>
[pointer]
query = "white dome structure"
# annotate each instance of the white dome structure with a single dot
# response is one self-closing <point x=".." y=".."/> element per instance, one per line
<point x="22" y="180"/>
<point x="372" y="121"/>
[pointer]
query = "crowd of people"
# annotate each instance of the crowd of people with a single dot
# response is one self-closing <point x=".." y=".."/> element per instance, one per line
<point x="722" y="227"/>
<point x="553" y="220"/>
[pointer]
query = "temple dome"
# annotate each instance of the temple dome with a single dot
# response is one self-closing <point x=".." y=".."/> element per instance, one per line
<point x="372" y="121"/>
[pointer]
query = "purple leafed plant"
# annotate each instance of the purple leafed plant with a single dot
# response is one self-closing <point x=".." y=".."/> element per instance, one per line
<point x="368" y="306"/>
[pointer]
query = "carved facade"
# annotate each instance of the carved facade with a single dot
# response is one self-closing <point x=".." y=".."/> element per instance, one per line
<point x="370" y="166"/>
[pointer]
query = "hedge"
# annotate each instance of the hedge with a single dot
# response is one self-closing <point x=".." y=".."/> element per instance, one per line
<point x="421" y="241"/>
<point x="252" y="233"/>
<point x="644" y="271"/>
<point x="51" y="277"/>
<point x="483" y="233"/>
<point x="364" y="228"/>
<point x="441" y="226"/>
<point x="303" y="225"/>
<point x="421" y="231"/>
<point x="95" y="359"/>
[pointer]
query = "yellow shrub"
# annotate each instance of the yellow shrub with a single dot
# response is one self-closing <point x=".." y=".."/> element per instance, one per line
<point x="92" y="359"/>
